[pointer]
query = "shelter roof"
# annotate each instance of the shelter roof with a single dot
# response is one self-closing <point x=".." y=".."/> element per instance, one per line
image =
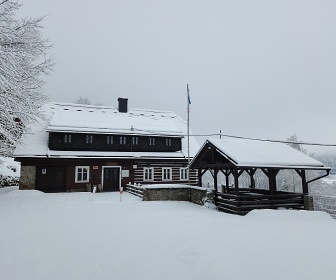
<point x="252" y="153"/>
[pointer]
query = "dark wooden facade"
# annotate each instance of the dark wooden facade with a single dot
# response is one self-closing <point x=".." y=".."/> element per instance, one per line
<point x="58" y="175"/>
<point x="240" y="200"/>
<point x="112" y="142"/>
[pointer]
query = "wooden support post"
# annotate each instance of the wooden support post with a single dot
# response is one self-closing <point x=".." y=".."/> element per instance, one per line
<point x="215" y="180"/>
<point x="304" y="182"/>
<point x="271" y="182"/>
<point x="271" y="174"/>
<point x="275" y="173"/>
<point x="227" y="174"/>
<point x="236" y="181"/>
<point x="199" y="177"/>
<point x="302" y="174"/>
<point x="252" y="172"/>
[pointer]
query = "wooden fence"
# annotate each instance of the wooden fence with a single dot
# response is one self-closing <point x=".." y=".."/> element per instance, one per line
<point x="250" y="199"/>
<point x="136" y="190"/>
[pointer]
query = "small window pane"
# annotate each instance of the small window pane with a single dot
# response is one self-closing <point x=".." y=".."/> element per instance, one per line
<point x="82" y="174"/>
<point x="148" y="174"/>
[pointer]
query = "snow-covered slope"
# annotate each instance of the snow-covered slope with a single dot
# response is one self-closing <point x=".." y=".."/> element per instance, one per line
<point x="95" y="236"/>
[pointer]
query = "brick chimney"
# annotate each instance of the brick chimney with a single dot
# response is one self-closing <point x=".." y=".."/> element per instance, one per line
<point x="122" y="104"/>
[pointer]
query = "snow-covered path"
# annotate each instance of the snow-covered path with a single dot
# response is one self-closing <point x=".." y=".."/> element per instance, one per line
<point x="85" y="236"/>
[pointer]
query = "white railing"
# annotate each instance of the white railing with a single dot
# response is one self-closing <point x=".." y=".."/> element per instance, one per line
<point x="135" y="190"/>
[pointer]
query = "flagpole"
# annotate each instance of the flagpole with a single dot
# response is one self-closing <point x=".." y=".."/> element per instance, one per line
<point x="188" y="119"/>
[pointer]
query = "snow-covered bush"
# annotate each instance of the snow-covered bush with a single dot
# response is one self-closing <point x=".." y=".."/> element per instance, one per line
<point x="23" y="65"/>
<point x="9" y="172"/>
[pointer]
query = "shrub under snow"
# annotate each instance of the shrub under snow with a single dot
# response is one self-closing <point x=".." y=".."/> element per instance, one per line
<point x="9" y="172"/>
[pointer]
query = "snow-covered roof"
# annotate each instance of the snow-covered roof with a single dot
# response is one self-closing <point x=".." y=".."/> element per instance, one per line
<point x="252" y="153"/>
<point x="78" y="118"/>
<point x="102" y="119"/>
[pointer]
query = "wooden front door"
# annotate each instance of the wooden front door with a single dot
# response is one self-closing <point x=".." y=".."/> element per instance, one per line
<point x="50" y="178"/>
<point x="111" y="179"/>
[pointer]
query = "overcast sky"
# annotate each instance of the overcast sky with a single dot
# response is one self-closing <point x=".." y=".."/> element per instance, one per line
<point x="263" y="69"/>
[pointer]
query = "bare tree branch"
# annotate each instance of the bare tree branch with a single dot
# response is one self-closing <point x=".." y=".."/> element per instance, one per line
<point x="23" y="64"/>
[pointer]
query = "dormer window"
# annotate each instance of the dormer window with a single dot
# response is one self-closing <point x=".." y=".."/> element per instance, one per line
<point x="151" y="141"/>
<point x="67" y="139"/>
<point x="122" y="140"/>
<point x="168" y="142"/>
<point x="109" y="139"/>
<point x="135" y="141"/>
<point x="88" y="139"/>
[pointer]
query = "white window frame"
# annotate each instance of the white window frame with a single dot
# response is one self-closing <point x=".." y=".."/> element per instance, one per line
<point x="135" y="140"/>
<point x="88" y="139"/>
<point x="151" y="141"/>
<point x="67" y="138"/>
<point x="148" y="176"/>
<point x="184" y="173"/>
<point x="109" y="139"/>
<point x="78" y="171"/>
<point x="167" y="173"/>
<point x="122" y="140"/>
<point x="168" y="142"/>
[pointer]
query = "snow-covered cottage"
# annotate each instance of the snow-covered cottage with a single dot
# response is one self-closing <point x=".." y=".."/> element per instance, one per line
<point x="83" y="145"/>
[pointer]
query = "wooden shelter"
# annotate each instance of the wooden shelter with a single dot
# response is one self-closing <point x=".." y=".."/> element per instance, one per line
<point x="232" y="156"/>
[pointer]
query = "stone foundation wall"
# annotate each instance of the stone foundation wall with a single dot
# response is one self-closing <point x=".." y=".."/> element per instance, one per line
<point x="194" y="195"/>
<point x="308" y="202"/>
<point x="198" y="196"/>
<point x="27" y="178"/>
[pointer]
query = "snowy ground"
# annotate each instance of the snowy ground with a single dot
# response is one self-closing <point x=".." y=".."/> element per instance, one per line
<point x="95" y="236"/>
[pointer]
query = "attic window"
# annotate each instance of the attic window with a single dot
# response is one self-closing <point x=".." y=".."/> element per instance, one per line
<point x="135" y="140"/>
<point x="88" y="139"/>
<point x="122" y="140"/>
<point x="67" y="138"/>
<point x="168" y="142"/>
<point x="109" y="139"/>
<point x="151" y="141"/>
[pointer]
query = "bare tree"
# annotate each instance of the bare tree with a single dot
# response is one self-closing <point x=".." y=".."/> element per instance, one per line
<point x="23" y="64"/>
<point x="297" y="146"/>
<point x="83" y="100"/>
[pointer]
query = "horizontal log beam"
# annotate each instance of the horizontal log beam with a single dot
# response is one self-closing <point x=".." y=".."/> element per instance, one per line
<point x="214" y="165"/>
<point x="261" y="202"/>
<point x="257" y="196"/>
<point x="248" y="208"/>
